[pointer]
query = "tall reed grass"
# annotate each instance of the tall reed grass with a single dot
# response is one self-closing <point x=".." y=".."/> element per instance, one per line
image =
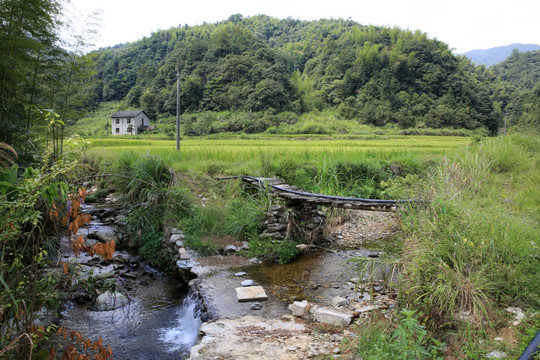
<point x="475" y="249"/>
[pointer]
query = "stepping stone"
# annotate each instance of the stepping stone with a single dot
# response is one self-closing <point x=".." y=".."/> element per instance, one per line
<point x="241" y="273"/>
<point x="250" y="293"/>
<point x="247" y="283"/>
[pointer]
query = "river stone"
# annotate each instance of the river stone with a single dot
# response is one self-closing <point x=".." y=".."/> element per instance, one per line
<point x="90" y="242"/>
<point x="110" y="301"/>
<point x="108" y="213"/>
<point x="256" y="306"/>
<point x="183" y="254"/>
<point x="339" y="301"/>
<point x="247" y="283"/>
<point x="104" y="234"/>
<point x="331" y="316"/>
<point x="368" y="308"/>
<point x="241" y="273"/>
<point x="183" y="265"/>
<point x="251" y="293"/>
<point x="299" y="308"/>
<point x="176" y="237"/>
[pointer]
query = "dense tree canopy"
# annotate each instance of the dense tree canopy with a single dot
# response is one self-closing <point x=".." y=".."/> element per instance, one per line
<point x="519" y="88"/>
<point x="372" y="74"/>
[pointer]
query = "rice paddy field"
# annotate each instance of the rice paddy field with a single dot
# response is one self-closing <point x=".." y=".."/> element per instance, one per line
<point x="240" y="155"/>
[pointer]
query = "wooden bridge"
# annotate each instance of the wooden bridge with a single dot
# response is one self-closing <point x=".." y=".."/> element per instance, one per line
<point x="294" y="194"/>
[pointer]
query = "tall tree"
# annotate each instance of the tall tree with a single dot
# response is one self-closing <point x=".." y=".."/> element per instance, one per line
<point x="28" y="32"/>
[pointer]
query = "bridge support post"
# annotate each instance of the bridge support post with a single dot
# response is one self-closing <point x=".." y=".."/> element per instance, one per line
<point x="294" y="219"/>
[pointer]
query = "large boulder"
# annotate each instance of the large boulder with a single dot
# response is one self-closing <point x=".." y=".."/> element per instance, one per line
<point x="104" y="234"/>
<point x="110" y="301"/>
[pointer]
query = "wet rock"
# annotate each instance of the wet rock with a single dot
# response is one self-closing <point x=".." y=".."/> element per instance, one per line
<point x="90" y="242"/>
<point x="104" y="234"/>
<point x="120" y="259"/>
<point x="108" y="213"/>
<point x="80" y="295"/>
<point x="256" y="306"/>
<point x="110" y="301"/>
<point x="241" y="273"/>
<point x="46" y="316"/>
<point x="132" y="276"/>
<point x="183" y="265"/>
<point x="246" y="283"/>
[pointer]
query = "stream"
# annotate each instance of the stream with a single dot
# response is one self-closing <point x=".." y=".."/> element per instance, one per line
<point x="161" y="319"/>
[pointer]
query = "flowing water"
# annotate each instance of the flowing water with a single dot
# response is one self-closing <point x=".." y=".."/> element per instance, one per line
<point x="161" y="320"/>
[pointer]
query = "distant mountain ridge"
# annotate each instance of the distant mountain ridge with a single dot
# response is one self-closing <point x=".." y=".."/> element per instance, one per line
<point x="495" y="55"/>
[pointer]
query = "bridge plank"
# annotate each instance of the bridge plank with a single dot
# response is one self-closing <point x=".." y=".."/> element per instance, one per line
<point x="294" y="193"/>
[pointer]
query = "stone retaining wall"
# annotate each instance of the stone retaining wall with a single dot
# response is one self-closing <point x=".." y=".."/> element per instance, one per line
<point x="296" y="220"/>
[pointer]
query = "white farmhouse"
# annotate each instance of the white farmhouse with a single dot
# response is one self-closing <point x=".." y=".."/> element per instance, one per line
<point x="130" y="122"/>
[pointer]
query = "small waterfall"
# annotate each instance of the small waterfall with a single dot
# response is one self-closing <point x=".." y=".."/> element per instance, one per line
<point x="183" y="335"/>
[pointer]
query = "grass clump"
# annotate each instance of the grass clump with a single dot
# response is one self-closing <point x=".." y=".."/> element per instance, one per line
<point x="474" y="250"/>
<point x="150" y="188"/>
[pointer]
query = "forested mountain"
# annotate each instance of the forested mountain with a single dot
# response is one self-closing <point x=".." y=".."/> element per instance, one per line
<point x="375" y="75"/>
<point x="519" y="90"/>
<point x="495" y="55"/>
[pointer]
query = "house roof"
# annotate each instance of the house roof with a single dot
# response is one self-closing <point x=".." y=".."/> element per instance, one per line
<point x="128" y="114"/>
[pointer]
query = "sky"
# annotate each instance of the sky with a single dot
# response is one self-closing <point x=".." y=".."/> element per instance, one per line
<point x="463" y="24"/>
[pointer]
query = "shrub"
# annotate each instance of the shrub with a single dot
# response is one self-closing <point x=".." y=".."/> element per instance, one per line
<point x="410" y="340"/>
<point x="282" y="252"/>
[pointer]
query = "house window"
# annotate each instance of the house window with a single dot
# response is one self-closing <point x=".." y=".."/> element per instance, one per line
<point x="129" y="121"/>
<point x="118" y="130"/>
<point x="118" y="121"/>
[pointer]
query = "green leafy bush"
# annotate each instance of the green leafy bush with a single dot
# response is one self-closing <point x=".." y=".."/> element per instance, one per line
<point x="282" y="252"/>
<point x="409" y="340"/>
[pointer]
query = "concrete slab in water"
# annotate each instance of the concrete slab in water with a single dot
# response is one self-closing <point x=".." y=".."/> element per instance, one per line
<point x="251" y="293"/>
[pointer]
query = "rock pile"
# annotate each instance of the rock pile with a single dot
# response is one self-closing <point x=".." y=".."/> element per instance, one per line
<point x="297" y="220"/>
<point x="174" y="243"/>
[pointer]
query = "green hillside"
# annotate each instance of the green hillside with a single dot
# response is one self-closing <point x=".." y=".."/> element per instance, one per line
<point x="519" y="89"/>
<point x="261" y="65"/>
